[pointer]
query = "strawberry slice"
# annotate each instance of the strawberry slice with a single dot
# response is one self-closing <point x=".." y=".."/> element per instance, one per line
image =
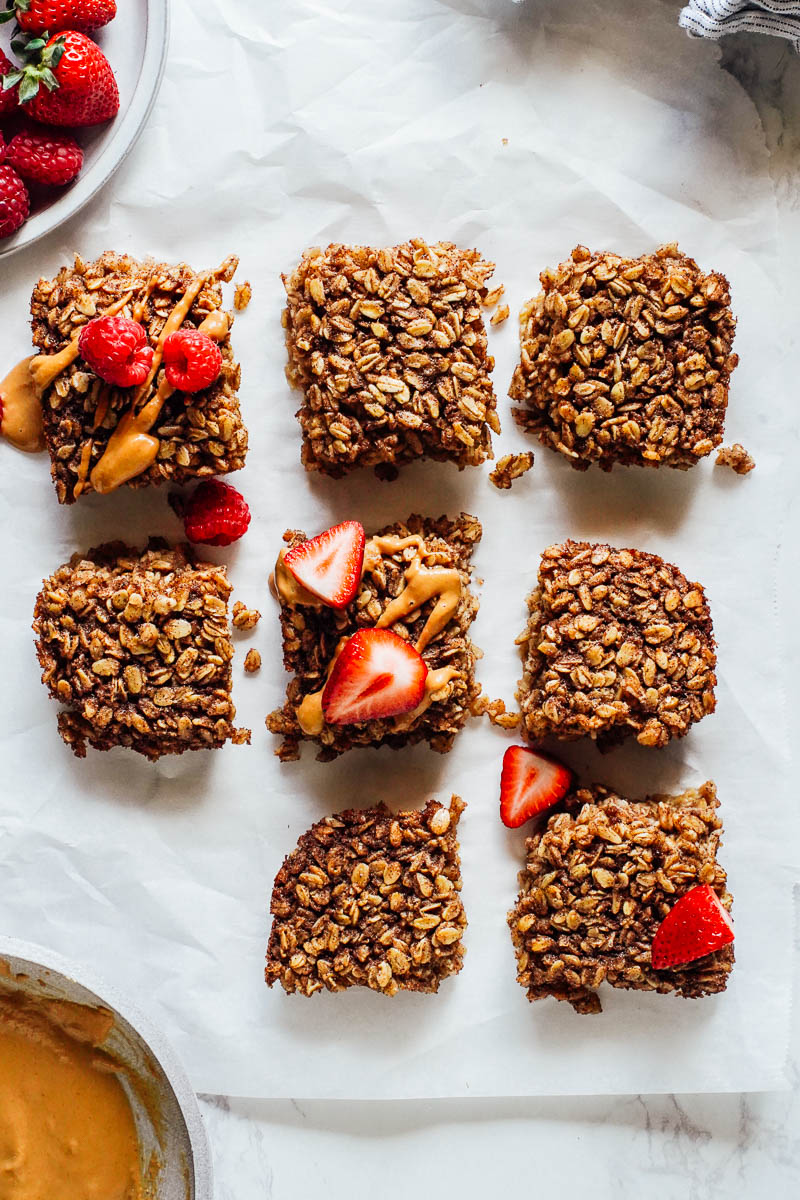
<point x="697" y="925"/>
<point x="330" y="564"/>
<point x="376" y="675"/>
<point x="530" y="783"/>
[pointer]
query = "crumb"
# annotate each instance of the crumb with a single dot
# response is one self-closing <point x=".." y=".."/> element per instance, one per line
<point x="493" y="297"/>
<point x="511" y="467"/>
<point x="242" y="296"/>
<point x="242" y="737"/>
<point x="504" y="141"/>
<point x="252" y="662"/>
<point x="735" y="457"/>
<point x="244" y="617"/>
<point x="495" y="710"/>
<point x="500" y="316"/>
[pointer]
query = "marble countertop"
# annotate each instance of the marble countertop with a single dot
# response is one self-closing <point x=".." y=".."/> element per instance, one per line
<point x="689" y="1147"/>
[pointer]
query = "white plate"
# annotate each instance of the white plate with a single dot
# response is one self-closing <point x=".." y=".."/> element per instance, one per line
<point x="135" y="43"/>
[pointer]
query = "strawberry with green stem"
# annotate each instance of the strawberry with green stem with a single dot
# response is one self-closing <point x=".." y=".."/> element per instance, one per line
<point x="54" y="16"/>
<point x="64" y="80"/>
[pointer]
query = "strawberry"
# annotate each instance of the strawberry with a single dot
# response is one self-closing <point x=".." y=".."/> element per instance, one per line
<point x="53" y="16"/>
<point x="330" y="564"/>
<point x="66" y="80"/>
<point x="14" y="202"/>
<point x="46" y="157"/>
<point x="376" y="675"/>
<point x="530" y="783"/>
<point x="9" y="101"/>
<point x="694" y="927"/>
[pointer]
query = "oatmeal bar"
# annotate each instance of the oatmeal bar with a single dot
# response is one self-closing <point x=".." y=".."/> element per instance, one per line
<point x="618" y="643"/>
<point x="432" y="556"/>
<point x="196" y="435"/>
<point x="388" y="347"/>
<point x="599" y="880"/>
<point x="626" y="360"/>
<point x="137" y="647"/>
<point x="370" y="899"/>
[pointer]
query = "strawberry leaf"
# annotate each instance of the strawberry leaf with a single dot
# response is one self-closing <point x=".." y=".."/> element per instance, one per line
<point x="28" y="88"/>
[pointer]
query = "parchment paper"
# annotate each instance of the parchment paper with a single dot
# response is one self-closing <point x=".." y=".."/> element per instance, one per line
<point x="522" y="131"/>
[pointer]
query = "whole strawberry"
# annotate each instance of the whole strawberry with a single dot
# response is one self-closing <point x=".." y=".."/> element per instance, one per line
<point x="8" y="93"/>
<point x="67" y="81"/>
<point x="14" y="202"/>
<point x="53" y="16"/>
<point x="47" y="157"/>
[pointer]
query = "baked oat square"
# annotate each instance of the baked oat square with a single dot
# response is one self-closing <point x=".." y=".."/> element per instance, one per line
<point x="137" y="648"/>
<point x="389" y="348"/>
<point x="313" y="632"/>
<point x="199" y="435"/>
<point x="370" y="899"/>
<point x="618" y="643"/>
<point x="599" y="880"/>
<point x="626" y="360"/>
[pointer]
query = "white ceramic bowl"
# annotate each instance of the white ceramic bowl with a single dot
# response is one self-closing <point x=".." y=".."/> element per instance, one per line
<point x="135" y="44"/>
<point x="134" y="1041"/>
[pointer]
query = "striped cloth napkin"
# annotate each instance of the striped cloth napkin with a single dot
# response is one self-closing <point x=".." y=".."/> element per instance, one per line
<point x="713" y="18"/>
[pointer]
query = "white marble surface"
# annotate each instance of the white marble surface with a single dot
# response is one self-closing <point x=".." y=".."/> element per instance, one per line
<point x="700" y="1147"/>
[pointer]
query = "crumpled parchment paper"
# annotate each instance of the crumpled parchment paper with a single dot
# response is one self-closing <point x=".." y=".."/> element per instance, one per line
<point x="522" y="131"/>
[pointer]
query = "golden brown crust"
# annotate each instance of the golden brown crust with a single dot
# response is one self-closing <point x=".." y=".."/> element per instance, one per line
<point x="389" y="348"/>
<point x="618" y="644"/>
<point x="370" y="899"/>
<point x="626" y="360"/>
<point x="599" y="880"/>
<point x="137" y="646"/>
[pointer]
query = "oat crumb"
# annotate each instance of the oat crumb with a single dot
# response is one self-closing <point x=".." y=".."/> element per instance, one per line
<point x="244" y="617"/>
<point x="495" y="710"/>
<point x="242" y="296"/>
<point x="493" y="297"/>
<point x="500" y="315"/>
<point x="509" y="468"/>
<point x="735" y="457"/>
<point x="242" y="737"/>
<point x="252" y="662"/>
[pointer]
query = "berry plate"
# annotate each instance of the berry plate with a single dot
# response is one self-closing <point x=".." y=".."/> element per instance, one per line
<point x="135" y="43"/>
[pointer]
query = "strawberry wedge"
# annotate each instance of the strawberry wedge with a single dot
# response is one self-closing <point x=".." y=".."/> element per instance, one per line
<point x="529" y="784"/>
<point x="697" y="925"/>
<point x="330" y="564"/>
<point x="377" y="675"/>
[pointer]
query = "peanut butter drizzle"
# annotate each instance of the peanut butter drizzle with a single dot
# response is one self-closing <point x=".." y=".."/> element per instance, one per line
<point x="21" y="420"/>
<point x="422" y="584"/>
<point x="132" y="449"/>
<point x="66" y="1126"/>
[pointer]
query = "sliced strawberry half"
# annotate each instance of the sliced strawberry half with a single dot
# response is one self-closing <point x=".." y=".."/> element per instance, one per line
<point x="376" y="675"/>
<point x="530" y="783"/>
<point x="697" y="925"/>
<point x="330" y="564"/>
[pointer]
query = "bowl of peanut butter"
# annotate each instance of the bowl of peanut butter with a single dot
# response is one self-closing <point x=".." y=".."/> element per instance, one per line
<point x="93" y="1100"/>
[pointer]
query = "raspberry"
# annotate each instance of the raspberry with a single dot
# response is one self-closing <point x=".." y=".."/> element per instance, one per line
<point x="117" y="350"/>
<point x="216" y="514"/>
<point x="14" y="202"/>
<point x="191" y="360"/>
<point x="52" y="158"/>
